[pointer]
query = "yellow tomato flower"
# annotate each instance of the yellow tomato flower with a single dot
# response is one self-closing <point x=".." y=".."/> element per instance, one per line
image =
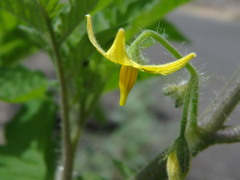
<point x="129" y="70"/>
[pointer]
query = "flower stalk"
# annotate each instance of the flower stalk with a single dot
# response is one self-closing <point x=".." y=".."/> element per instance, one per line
<point x="190" y="101"/>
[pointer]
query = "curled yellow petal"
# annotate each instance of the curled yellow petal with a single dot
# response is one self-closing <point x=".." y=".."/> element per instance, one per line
<point x="92" y="37"/>
<point x="117" y="53"/>
<point x="168" y="68"/>
<point x="128" y="77"/>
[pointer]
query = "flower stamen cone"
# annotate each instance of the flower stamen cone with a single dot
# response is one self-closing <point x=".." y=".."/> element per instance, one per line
<point x="128" y="77"/>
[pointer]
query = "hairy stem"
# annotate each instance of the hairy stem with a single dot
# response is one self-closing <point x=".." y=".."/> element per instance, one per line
<point x="67" y="153"/>
<point x="194" y="104"/>
<point x="229" y="134"/>
<point x="192" y="91"/>
<point x="80" y="125"/>
<point x="215" y="115"/>
<point x="156" y="170"/>
<point x="185" y="112"/>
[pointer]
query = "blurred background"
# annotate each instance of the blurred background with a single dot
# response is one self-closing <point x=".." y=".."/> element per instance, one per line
<point x="149" y="122"/>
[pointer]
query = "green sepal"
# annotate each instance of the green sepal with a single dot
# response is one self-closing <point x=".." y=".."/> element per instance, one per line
<point x="183" y="154"/>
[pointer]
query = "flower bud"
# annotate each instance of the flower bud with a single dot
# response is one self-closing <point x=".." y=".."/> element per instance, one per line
<point x="178" y="160"/>
<point x="177" y="92"/>
<point x="173" y="170"/>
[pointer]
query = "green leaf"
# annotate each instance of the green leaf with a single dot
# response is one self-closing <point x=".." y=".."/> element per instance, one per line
<point x="14" y="44"/>
<point x="7" y="22"/>
<point x="125" y="171"/>
<point x="52" y="7"/>
<point x="13" y="47"/>
<point x="19" y="84"/>
<point x="152" y="11"/>
<point x="100" y="5"/>
<point x="26" y="10"/>
<point x="90" y="176"/>
<point x="158" y="10"/>
<point x="28" y="153"/>
<point x="74" y="13"/>
<point x="36" y="16"/>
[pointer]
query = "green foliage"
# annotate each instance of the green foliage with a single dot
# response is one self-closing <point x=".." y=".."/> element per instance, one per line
<point x="35" y="16"/>
<point x="101" y="4"/>
<point x="156" y="10"/>
<point x="90" y="176"/>
<point x="125" y="171"/>
<point x="14" y="43"/>
<point x="19" y="84"/>
<point x="151" y="12"/>
<point x="28" y="152"/>
<point x="69" y="16"/>
<point x="73" y="13"/>
<point x="51" y="7"/>
<point x="26" y="10"/>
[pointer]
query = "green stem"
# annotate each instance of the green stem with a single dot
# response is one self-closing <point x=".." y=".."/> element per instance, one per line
<point x="84" y="114"/>
<point x="67" y="149"/>
<point x="156" y="169"/>
<point x="228" y="134"/>
<point x="194" y="103"/>
<point x="67" y="152"/>
<point x="216" y="114"/>
<point x="149" y="33"/>
<point x="191" y="97"/>
<point x="185" y="112"/>
<point x="211" y="122"/>
<point x="80" y="125"/>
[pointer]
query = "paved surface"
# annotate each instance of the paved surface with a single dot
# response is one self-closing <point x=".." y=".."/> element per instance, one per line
<point x="217" y="3"/>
